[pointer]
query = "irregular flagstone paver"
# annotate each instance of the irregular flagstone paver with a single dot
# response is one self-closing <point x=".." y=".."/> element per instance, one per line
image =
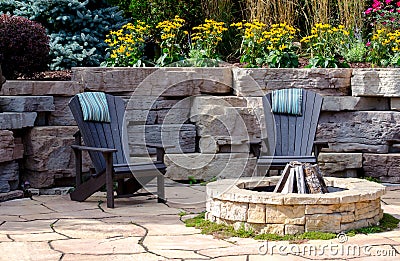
<point x="232" y="251"/>
<point x="38" y="251"/>
<point x="59" y="206"/>
<point x="142" y="210"/>
<point x="20" y="202"/>
<point x="116" y="245"/>
<point x="372" y="258"/>
<point x="276" y="257"/>
<point x="183" y="254"/>
<point x="189" y="242"/>
<point x="92" y="213"/>
<point x="10" y="218"/>
<point x="39" y="237"/>
<point x="114" y="257"/>
<point x="392" y="209"/>
<point x="23" y="210"/>
<point x="35" y="226"/>
<point x="397" y="239"/>
<point x="231" y="258"/>
<point x="165" y="225"/>
<point x="4" y="238"/>
<point x="96" y="229"/>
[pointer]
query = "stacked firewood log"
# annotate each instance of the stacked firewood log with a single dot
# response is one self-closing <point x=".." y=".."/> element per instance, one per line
<point x="302" y="178"/>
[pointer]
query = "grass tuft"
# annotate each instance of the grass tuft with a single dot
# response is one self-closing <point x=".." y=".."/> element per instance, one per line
<point x="388" y="222"/>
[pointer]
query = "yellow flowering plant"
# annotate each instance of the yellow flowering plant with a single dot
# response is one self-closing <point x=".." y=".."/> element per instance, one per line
<point x="326" y="44"/>
<point x="273" y="46"/>
<point x="126" y="45"/>
<point x="280" y="50"/>
<point x="384" y="48"/>
<point x="172" y="37"/>
<point x="253" y="42"/>
<point x="206" y="38"/>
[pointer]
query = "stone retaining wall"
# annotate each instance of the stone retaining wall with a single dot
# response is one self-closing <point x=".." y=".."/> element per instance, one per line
<point x="209" y="114"/>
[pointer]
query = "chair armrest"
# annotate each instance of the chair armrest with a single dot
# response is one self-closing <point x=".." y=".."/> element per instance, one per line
<point x="103" y="150"/>
<point x="321" y="143"/>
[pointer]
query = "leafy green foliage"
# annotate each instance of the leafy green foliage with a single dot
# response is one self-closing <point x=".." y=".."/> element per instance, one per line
<point x="279" y="59"/>
<point x="192" y="180"/>
<point x="77" y="28"/>
<point x="372" y="179"/>
<point x="24" y="46"/>
<point x="356" y="53"/>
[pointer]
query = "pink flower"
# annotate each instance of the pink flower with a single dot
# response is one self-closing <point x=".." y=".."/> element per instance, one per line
<point x="376" y="4"/>
<point x="398" y="11"/>
<point x="368" y="11"/>
<point x="398" y="4"/>
<point x="388" y="1"/>
<point x="368" y="44"/>
<point x="391" y="10"/>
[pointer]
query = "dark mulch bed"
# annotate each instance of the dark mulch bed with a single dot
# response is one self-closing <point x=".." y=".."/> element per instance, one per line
<point x="49" y="76"/>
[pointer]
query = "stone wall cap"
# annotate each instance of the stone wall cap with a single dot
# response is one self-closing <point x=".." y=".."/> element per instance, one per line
<point x="233" y="189"/>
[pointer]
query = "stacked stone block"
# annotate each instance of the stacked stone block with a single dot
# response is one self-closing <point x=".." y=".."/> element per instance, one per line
<point x="17" y="114"/>
<point x="42" y="135"/>
<point x="209" y="115"/>
<point x="231" y="202"/>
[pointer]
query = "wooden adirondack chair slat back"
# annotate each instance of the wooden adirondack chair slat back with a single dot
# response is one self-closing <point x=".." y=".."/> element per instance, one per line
<point x="102" y="134"/>
<point x="292" y="135"/>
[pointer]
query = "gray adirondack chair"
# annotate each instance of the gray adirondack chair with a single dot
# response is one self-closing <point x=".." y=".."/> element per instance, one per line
<point x="104" y="142"/>
<point x="290" y="137"/>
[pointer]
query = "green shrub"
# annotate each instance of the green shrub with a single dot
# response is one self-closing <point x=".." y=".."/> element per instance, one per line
<point x="24" y="46"/>
<point x="77" y="28"/>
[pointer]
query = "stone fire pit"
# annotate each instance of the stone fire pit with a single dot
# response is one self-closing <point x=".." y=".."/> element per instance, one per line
<point x="352" y="203"/>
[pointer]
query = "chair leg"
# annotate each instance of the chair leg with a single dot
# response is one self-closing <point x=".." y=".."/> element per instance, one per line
<point x="78" y="167"/>
<point x="160" y="189"/>
<point x="109" y="179"/>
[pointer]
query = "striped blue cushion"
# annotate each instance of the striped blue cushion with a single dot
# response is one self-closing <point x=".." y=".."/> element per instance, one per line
<point x="287" y="101"/>
<point x="94" y="106"/>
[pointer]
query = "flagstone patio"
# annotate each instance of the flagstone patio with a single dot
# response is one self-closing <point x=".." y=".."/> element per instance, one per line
<point x="56" y="228"/>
